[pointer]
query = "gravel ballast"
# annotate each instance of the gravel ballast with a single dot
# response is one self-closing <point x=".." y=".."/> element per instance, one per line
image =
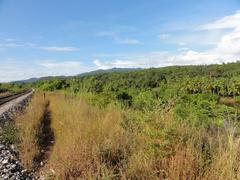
<point x="10" y="166"/>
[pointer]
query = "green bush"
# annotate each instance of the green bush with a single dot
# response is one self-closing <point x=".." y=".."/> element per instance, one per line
<point x="125" y="98"/>
<point x="144" y="100"/>
<point x="10" y="134"/>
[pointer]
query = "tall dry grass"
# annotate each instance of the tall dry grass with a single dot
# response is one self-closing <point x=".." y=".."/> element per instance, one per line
<point x="28" y="124"/>
<point x="4" y="93"/>
<point x="90" y="143"/>
<point x="226" y="156"/>
<point x="93" y="143"/>
<point x="205" y="155"/>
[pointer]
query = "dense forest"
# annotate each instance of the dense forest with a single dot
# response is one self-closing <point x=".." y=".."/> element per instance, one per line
<point x="179" y="121"/>
<point x="218" y="79"/>
<point x="205" y="91"/>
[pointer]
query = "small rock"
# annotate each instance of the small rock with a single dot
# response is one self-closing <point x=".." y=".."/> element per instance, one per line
<point x="5" y="161"/>
<point x="41" y="164"/>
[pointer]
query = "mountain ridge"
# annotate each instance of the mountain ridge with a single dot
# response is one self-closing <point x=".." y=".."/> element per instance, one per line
<point x="95" y="72"/>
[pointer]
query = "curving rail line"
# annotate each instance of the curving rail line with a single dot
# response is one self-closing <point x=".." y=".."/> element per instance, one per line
<point x="5" y="99"/>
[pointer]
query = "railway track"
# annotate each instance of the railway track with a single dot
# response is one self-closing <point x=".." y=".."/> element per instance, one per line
<point x="5" y="99"/>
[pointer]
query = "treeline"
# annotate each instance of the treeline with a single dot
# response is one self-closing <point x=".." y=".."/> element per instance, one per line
<point x="223" y="80"/>
<point x="12" y="87"/>
<point x="192" y="93"/>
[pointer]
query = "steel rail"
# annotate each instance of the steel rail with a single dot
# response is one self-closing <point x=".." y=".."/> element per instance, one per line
<point x="5" y="99"/>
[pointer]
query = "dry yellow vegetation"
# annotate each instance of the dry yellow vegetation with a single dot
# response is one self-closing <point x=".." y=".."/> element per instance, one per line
<point x="29" y="125"/>
<point x="92" y="143"/>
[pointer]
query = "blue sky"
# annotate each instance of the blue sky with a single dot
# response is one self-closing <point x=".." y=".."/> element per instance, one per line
<point x="67" y="37"/>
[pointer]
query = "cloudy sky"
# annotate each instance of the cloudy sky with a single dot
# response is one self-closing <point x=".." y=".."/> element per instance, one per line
<point x="67" y="37"/>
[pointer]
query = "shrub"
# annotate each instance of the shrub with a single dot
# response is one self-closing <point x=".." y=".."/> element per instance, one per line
<point x="125" y="98"/>
<point x="10" y="134"/>
<point x="144" y="100"/>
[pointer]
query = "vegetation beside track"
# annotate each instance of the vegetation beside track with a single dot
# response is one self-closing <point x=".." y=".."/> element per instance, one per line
<point x="174" y="122"/>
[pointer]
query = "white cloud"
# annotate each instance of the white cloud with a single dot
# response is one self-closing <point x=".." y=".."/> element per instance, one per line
<point x="57" y="67"/>
<point x="97" y="62"/>
<point x="222" y="53"/>
<point x="192" y="57"/>
<point x="10" y="45"/>
<point x="226" y="49"/>
<point x="206" y="34"/>
<point x="231" y="21"/>
<point x="10" y="39"/>
<point x="158" y="59"/>
<point x="59" y="48"/>
<point x="182" y="43"/>
<point x="118" y="39"/>
<point x="194" y="38"/>
<point x="115" y="63"/>
<point x="230" y="44"/>
<point x="106" y="34"/>
<point x="164" y="36"/>
<point x="184" y="49"/>
<point x="13" y="43"/>
<point x="12" y="70"/>
<point x="62" y="64"/>
<point x="127" y="41"/>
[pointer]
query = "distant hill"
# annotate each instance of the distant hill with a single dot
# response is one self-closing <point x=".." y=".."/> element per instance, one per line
<point x="97" y="72"/>
<point x="101" y="71"/>
<point x="27" y="80"/>
<point x="31" y="80"/>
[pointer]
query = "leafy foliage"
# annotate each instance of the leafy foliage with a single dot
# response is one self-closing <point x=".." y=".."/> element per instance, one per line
<point x="193" y="93"/>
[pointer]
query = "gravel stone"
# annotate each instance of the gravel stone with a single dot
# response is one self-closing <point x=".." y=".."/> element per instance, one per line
<point x="10" y="166"/>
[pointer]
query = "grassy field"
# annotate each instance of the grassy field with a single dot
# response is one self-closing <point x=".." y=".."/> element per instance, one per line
<point x="179" y="122"/>
<point x="100" y="143"/>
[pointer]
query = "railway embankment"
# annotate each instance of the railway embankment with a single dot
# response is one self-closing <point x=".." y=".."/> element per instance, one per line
<point x="10" y="166"/>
